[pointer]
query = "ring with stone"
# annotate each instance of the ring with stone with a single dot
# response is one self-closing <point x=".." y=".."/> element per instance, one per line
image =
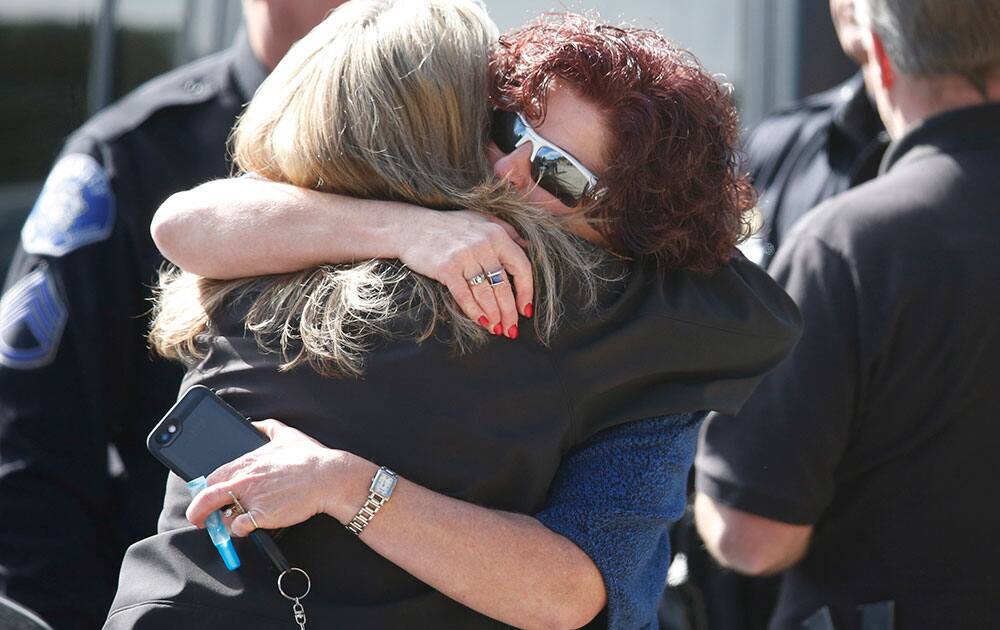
<point x="235" y="509"/>
<point x="497" y="277"/>
<point x="477" y="279"/>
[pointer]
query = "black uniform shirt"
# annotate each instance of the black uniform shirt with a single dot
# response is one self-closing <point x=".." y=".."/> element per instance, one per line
<point x="882" y="426"/>
<point x="75" y="371"/>
<point x="490" y="427"/>
<point x="801" y="156"/>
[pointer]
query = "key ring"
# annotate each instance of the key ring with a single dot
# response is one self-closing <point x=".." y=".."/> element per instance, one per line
<point x="281" y="589"/>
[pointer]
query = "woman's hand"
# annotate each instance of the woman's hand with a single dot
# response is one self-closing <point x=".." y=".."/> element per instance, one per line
<point x="283" y="483"/>
<point x="505" y="565"/>
<point x="235" y="228"/>
<point x="452" y="247"/>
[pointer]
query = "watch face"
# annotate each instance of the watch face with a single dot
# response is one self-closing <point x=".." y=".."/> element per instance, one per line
<point x="383" y="483"/>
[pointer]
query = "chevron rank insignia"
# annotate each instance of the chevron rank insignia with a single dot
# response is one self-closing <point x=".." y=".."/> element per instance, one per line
<point x="75" y="208"/>
<point x="32" y="319"/>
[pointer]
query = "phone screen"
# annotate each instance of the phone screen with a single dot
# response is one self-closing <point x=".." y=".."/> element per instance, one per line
<point x="200" y="433"/>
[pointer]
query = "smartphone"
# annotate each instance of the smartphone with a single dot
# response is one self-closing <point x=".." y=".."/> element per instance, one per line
<point x="200" y="433"/>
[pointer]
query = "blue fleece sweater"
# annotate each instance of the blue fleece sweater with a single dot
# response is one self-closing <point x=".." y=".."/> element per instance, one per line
<point x="616" y="497"/>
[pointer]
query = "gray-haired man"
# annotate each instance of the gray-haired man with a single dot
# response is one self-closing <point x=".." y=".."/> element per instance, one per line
<point x="865" y="462"/>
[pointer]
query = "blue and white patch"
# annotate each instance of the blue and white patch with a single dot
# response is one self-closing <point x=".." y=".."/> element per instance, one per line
<point x="75" y="208"/>
<point x="32" y="319"/>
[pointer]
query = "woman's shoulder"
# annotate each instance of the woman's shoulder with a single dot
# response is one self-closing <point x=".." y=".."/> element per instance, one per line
<point x="660" y="343"/>
<point x="739" y="299"/>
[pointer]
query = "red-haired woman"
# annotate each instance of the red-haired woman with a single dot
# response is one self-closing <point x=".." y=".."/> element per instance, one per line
<point x="629" y="139"/>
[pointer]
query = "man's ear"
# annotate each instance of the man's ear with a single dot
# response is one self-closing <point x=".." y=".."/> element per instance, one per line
<point x="887" y="73"/>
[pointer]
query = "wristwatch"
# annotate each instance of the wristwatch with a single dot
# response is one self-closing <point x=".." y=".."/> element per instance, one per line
<point x="383" y="483"/>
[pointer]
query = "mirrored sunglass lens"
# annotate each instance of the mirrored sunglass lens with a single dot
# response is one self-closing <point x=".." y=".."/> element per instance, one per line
<point x="507" y="130"/>
<point x="556" y="174"/>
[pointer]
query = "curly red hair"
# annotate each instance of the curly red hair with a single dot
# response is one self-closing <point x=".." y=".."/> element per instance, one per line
<point x="672" y="189"/>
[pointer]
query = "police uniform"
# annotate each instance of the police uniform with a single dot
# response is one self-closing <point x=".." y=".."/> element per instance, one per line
<point x="76" y="375"/>
<point x="818" y="148"/>
<point x="880" y="428"/>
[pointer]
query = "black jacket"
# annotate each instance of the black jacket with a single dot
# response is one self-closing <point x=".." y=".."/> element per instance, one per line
<point x="490" y="427"/>
<point x="809" y="152"/>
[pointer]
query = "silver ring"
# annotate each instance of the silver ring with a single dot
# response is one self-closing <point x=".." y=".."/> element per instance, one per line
<point x="477" y="279"/>
<point x="237" y="509"/>
<point x="497" y="277"/>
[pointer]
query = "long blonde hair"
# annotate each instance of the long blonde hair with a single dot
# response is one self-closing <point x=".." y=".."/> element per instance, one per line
<point x="385" y="99"/>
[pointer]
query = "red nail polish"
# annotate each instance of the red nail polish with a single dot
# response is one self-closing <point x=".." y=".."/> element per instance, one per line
<point x="485" y="323"/>
<point x="497" y="329"/>
<point x="529" y="310"/>
<point x="512" y="332"/>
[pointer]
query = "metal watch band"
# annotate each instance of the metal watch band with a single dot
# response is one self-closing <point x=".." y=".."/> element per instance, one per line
<point x="374" y="502"/>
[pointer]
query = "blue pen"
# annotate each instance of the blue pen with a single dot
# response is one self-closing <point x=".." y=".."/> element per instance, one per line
<point x="216" y="530"/>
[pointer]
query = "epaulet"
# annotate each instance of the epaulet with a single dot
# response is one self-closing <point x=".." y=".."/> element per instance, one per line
<point x="190" y="84"/>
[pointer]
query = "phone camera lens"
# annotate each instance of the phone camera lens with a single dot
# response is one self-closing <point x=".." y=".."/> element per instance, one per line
<point x="164" y="437"/>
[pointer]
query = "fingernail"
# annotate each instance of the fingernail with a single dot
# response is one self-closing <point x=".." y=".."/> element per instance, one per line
<point x="512" y="332"/>
<point x="497" y="329"/>
<point x="529" y="310"/>
<point x="485" y="323"/>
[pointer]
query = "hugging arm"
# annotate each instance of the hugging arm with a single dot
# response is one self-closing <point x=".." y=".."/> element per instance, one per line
<point x="616" y="497"/>
<point x="234" y="228"/>
<point x="602" y="538"/>
<point x="507" y="566"/>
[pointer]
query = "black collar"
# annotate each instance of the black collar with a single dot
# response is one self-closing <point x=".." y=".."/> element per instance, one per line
<point x="247" y="69"/>
<point x="955" y="130"/>
<point x="855" y="115"/>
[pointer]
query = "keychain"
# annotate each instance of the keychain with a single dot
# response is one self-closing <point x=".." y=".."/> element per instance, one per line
<point x="270" y="550"/>
<point x="298" y="611"/>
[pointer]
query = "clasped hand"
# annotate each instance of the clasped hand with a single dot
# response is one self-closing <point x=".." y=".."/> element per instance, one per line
<point x="283" y="483"/>
<point x="452" y="247"/>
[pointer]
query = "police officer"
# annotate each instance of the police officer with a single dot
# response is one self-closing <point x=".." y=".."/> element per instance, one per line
<point x="78" y="388"/>
<point x="816" y="148"/>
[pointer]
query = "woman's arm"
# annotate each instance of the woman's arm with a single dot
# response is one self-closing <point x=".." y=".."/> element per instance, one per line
<point x="233" y="228"/>
<point x="504" y="565"/>
<point x="616" y="497"/>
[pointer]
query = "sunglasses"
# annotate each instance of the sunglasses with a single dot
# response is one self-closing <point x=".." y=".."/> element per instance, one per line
<point x="554" y="169"/>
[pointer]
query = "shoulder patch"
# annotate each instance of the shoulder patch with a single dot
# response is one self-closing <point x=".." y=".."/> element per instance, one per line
<point x="32" y="319"/>
<point x="75" y="208"/>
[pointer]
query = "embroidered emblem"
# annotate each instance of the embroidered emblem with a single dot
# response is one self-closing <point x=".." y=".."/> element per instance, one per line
<point x="32" y="319"/>
<point x="75" y="208"/>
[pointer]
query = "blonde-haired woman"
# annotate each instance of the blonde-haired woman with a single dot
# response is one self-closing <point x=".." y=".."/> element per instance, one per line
<point x="387" y="100"/>
<point x="392" y="112"/>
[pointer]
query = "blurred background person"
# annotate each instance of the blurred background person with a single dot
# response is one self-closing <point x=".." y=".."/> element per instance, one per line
<point x="797" y="157"/>
<point x="75" y="371"/>
<point x="817" y="147"/>
<point x="865" y="461"/>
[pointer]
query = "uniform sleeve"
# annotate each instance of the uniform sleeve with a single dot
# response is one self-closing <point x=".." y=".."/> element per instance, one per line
<point x="777" y="458"/>
<point x="616" y="497"/>
<point x="64" y="372"/>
